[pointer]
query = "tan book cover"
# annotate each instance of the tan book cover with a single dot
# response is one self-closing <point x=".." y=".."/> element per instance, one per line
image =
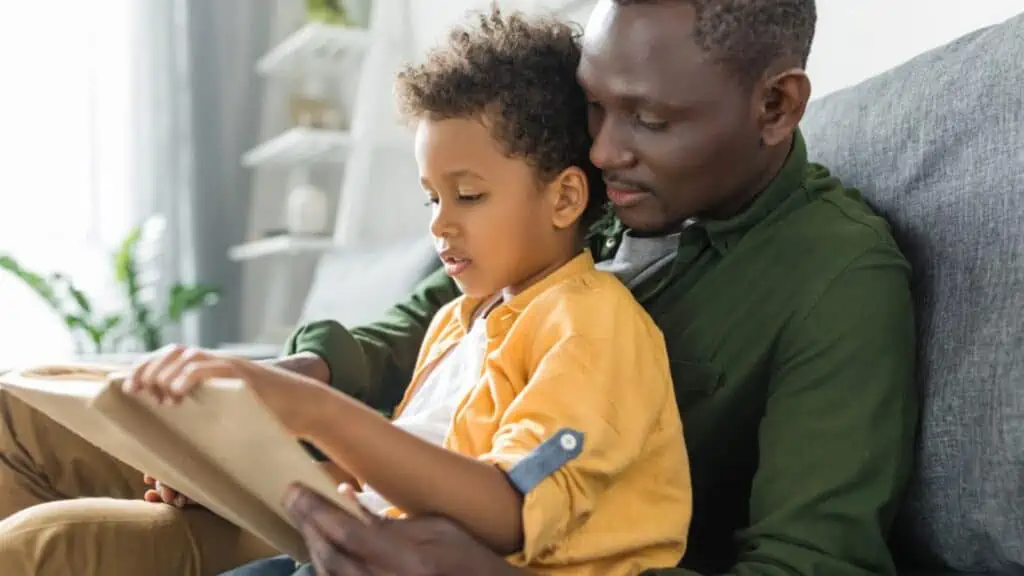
<point x="220" y="446"/>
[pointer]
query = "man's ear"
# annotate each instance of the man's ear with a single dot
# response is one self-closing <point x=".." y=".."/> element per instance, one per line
<point x="784" y="98"/>
<point x="569" y="192"/>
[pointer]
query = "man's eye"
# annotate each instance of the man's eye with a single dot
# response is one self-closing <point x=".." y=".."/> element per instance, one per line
<point x="650" y="121"/>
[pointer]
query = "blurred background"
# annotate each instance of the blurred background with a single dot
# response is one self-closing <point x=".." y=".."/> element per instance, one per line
<point x="176" y="170"/>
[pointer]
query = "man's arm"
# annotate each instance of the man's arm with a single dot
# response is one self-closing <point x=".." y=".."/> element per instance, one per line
<point x="372" y="363"/>
<point x="837" y="436"/>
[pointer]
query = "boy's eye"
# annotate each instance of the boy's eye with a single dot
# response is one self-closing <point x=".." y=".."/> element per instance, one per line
<point x="467" y="196"/>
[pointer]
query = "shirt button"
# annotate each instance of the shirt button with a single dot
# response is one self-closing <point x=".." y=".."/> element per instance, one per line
<point x="610" y="243"/>
<point x="568" y="442"/>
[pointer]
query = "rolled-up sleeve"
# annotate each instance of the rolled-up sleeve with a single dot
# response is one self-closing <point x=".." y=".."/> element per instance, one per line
<point x="606" y="394"/>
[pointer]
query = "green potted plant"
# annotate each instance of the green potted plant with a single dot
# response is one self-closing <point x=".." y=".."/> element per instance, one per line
<point x="96" y="332"/>
<point x="331" y="12"/>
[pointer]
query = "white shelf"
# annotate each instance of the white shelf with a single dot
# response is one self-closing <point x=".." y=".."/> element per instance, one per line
<point x="279" y="246"/>
<point x="315" y="46"/>
<point x="300" y="145"/>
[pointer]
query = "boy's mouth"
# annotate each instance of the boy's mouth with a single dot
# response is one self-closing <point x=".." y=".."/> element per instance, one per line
<point x="454" y="265"/>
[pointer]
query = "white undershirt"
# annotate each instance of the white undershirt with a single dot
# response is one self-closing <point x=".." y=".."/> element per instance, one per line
<point x="429" y="412"/>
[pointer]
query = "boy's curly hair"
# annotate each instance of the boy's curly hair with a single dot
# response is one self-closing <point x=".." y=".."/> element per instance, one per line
<point x="517" y="73"/>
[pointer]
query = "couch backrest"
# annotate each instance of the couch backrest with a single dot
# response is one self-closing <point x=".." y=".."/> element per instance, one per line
<point x="937" y="146"/>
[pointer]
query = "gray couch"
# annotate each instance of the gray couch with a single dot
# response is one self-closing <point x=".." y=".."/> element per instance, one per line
<point x="937" y="145"/>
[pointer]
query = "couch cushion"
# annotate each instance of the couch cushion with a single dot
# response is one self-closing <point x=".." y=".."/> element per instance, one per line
<point x="356" y="286"/>
<point x="937" y="146"/>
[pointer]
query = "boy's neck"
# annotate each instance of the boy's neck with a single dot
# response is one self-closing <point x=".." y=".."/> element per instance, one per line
<point x="558" y="259"/>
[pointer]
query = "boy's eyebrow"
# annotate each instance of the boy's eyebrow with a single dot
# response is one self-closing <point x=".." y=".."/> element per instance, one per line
<point x="455" y="174"/>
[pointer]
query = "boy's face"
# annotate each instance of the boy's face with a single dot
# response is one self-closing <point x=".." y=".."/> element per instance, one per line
<point x="493" y="222"/>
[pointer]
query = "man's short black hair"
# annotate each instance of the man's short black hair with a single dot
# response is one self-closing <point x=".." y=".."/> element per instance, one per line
<point x="749" y="36"/>
<point x="518" y="74"/>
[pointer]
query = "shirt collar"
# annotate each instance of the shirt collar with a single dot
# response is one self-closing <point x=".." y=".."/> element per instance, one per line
<point x="514" y="306"/>
<point x="723" y="234"/>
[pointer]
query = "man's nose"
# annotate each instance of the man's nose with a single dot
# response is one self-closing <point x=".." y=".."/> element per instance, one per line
<point x="611" y="149"/>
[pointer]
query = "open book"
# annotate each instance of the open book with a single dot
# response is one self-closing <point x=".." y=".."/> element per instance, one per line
<point x="220" y="446"/>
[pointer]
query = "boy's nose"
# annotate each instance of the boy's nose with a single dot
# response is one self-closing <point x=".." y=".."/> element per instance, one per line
<point x="441" y="225"/>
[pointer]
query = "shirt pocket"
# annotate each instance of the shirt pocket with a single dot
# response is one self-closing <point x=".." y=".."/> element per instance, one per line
<point x="693" y="382"/>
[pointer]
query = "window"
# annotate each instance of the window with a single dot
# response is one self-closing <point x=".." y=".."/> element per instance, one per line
<point x="65" y="111"/>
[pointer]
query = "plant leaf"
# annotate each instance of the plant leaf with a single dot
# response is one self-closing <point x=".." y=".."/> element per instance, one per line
<point x="79" y="297"/>
<point x="110" y="322"/>
<point x="184" y="298"/>
<point x="42" y="287"/>
<point x="124" y="258"/>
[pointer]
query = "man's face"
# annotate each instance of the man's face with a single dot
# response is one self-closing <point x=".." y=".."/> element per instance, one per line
<point x="674" y="134"/>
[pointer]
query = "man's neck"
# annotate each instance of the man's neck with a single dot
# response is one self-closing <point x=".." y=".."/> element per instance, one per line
<point x="776" y="159"/>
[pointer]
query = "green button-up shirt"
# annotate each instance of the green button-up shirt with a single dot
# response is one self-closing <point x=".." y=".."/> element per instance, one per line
<point x="790" y="331"/>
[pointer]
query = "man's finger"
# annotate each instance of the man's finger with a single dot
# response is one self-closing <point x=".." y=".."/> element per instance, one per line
<point x="328" y="559"/>
<point x="368" y="543"/>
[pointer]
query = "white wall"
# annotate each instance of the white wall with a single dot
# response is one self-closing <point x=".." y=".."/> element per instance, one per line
<point x="856" y="39"/>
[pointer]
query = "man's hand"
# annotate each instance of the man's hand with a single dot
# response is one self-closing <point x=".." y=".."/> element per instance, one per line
<point x="340" y="544"/>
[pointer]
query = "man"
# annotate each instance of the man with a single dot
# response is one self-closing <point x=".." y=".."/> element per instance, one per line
<point x="784" y="302"/>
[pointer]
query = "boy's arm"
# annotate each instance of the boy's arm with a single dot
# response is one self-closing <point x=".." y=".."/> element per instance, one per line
<point x="372" y="363"/>
<point x="413" y="474"/>
<point x="605" y="391"/>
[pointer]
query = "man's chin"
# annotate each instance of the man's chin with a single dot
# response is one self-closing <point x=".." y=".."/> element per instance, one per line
<point x="646" y="220"/>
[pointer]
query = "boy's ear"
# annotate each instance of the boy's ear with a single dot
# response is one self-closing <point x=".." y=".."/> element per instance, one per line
<point x="570" y="193"/>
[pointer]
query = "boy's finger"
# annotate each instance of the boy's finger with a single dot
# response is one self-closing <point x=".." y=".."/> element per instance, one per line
<point x="167" y="494"/>
<point x="175" y="368"/>
<point x="148" y="374"/>
<point x="198" y="372"/>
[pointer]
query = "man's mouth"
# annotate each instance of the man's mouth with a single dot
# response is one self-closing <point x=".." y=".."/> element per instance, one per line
<point x="625" y="195"/>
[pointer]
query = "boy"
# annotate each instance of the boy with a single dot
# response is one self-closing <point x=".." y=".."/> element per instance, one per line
<point x="541" y="415"/>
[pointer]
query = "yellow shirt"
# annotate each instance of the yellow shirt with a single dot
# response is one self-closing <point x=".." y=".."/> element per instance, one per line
<point x="576" y="351"/>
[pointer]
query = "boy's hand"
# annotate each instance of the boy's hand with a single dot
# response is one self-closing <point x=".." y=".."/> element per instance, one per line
<point x="172" y="373"/>
<point x="163" y="493"/>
